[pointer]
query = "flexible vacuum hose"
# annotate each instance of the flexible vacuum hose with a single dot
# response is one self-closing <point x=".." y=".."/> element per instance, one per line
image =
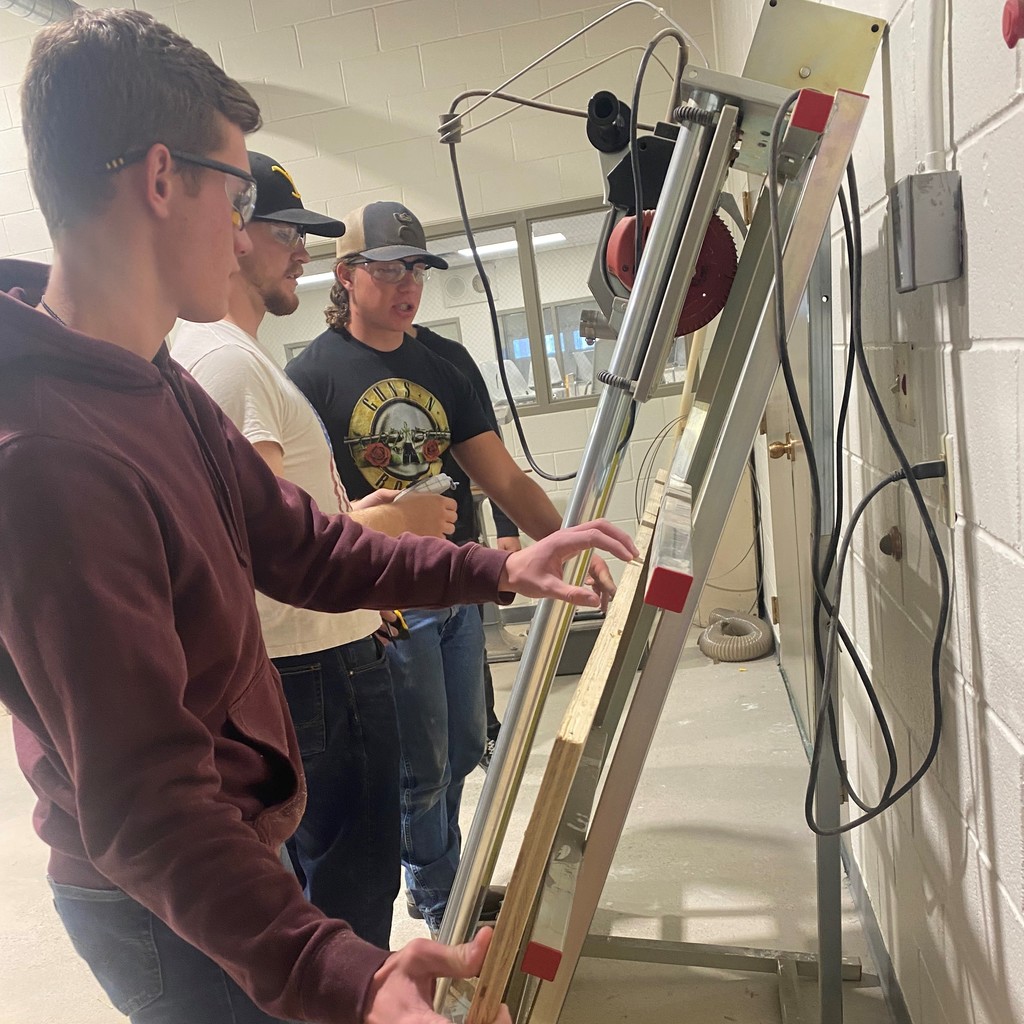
<point x="733" y="636"/>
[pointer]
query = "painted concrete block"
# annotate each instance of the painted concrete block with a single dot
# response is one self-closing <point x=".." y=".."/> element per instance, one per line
<point x="26" y="232"/>
<point x="522" y="44"/>
<point x="262" y="54"/>
<point x="325" y="177"/>
<point x="306" y="90"/>
<point x="15" y="195"/>
<point x="474" y="16"/>
<point x="986" y="390"/>
<point x="527" y="183"/>
<point x="379" y="166"/>
<point x="995" y="588"/>
<point x="337" y="39"/>
<point x="272" y="14"/>
<point x="475" y="59"/>
<point x="13" y="154"/>
<point x="976" y="97"/>
<point x="414" y="22"/>
<point x="207" y="24"/>
<point x="990" y="162"/>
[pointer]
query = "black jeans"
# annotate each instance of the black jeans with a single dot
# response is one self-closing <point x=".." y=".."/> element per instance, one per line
<point x="347" y="849"/>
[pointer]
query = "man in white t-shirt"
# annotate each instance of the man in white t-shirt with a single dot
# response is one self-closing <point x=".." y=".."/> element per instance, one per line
<point x="335" y="675"/>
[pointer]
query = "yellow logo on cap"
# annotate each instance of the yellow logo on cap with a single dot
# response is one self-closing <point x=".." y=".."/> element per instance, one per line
<point x="281" y="170"/>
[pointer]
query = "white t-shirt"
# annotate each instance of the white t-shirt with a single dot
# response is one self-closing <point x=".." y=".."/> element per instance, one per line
<point x="265" y="405"/>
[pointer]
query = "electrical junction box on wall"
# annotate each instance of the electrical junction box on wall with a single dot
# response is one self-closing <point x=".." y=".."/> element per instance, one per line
<point x="925" y="212"/>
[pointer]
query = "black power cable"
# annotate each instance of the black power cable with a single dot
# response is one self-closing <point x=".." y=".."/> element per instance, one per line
<point x="493" y="310"/>
<point x="450" y="137"/>
<point x="821" y="599"/>
<point x="911" y="474"/>
<point x="826" y="712"/>
<point x="634" y="146"/>
<point x="825" y="570"/>
<point x="755" y="489"/>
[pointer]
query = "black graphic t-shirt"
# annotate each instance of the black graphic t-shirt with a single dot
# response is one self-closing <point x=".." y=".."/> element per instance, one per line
<point x="392" y="417"/>
<point x="463" y="361"/>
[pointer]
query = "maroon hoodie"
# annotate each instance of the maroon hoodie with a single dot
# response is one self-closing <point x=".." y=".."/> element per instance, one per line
<point x="135" y="522"/>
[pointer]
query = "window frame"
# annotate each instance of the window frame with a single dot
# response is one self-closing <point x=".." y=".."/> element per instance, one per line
<point x="292" y="348"/>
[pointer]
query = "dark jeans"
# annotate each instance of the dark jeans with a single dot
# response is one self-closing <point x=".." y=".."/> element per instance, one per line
<point x="149" y="973"/>
<point x="347" y="850"/>
<point x="438" y="677"/>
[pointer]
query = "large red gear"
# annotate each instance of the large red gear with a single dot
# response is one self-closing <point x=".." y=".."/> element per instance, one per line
<point x="712" y="276"/>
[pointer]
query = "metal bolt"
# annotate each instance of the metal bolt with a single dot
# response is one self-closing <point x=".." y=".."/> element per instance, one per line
<point x="805" y="72"/>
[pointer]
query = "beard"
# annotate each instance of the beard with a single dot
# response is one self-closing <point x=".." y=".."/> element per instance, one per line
<point x="280" y="301"/>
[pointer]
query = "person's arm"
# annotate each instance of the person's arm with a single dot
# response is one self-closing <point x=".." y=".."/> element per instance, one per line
<point x="87" y="621"/>
<point x="272" y="454"/>
<point x="428" y="515"/>
<point x="488" y="462"/>
<point x="495" y="472"/>
<point x="505" y="530"/>
<point x="332" y="564"/>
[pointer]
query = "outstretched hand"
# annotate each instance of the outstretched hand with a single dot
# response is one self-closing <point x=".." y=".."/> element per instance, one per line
<point x="402" y="991"/>
<point x="536" y="571"/>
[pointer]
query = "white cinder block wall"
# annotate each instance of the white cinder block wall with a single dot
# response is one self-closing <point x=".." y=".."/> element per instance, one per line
<point x="351" y="92"/>
<point x="944" y="869"/>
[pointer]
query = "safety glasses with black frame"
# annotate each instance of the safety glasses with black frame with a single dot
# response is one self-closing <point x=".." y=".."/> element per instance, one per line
<point x="243" y="200"/>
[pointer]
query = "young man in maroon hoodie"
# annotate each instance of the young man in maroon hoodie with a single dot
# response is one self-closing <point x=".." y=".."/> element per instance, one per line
<point x="134" y="526"/>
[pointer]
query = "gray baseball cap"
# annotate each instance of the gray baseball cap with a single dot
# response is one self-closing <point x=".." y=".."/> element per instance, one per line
<point x="386" y="231"/>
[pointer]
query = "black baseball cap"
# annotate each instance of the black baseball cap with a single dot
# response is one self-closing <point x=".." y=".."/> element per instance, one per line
<point x="278" y="199"/>
<point x="385" y="231"/>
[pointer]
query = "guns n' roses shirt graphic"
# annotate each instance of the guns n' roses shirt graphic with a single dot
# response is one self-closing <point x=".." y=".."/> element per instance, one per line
<point x="392" y="417"/>
<point x="398" y="434"/>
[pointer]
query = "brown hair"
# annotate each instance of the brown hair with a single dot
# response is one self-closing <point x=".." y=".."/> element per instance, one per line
<point x="338" y="314"/>
<point x="107" y="82"/>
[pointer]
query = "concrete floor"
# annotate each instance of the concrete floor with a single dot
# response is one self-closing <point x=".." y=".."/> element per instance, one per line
<point x="715" y="851"/>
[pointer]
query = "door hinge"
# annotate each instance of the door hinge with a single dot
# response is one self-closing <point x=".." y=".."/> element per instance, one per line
<point x="775" y="609"/>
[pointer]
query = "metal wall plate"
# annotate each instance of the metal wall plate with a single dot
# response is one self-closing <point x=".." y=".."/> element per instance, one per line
<point x="801" y="44"/>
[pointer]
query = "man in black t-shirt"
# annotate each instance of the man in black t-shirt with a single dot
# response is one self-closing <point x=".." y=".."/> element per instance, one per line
<point x="397" y="414"/>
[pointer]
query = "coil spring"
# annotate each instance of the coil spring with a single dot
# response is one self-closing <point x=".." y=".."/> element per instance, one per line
<point x="695" y="115"/>
<point x="616" y="380"/>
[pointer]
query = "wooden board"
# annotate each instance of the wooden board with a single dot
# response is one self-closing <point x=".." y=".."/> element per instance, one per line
<point x="559" y="775"/>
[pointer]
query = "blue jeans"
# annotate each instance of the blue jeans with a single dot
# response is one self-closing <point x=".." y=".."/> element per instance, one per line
<point x="346" y="850"/>
<point x="149" y="973"/>
<point x="438" y="674"/>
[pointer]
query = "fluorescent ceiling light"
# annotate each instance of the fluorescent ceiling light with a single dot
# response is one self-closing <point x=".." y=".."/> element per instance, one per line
<point x="495" y="247"/>
<point x="314" y="280"/>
